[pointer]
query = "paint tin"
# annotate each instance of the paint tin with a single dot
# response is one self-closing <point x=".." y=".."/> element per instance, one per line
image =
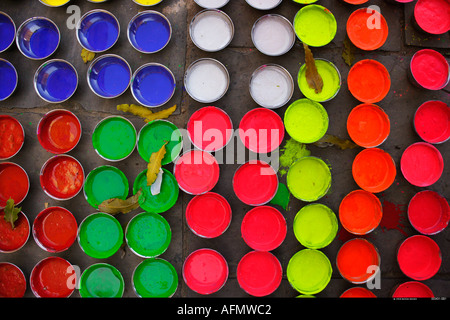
<point x="206" y="80"/>
<point x="432" y="16"/>
<point x="315" y="25"/>
<point x="355" y="2"/>
<point x="13" y="281"/>
<point x="196" y="171"/>
<point x="429" y="69"/>
<point x="305" y="1"/>
<point x="14" y="183"/>
<point x="205" y="271"/>
<point x="261" y="130"/>
<point x="59" y="131"/>
<point x="155" y="278"/>
<point x="152" y="137"/>
<point x="255" y="183"/>
<point x="54" y="3"/>
<point x="412" y="289"/>
<point x="362" y="32"/>
<point x="114" y="138"/>
<point x="264" y="4"/>
<point x="98" y="30"/>
<point x="422" y="164"/>
<point x="12" y="136"/>
<point x="7" y="31"/>
<point x="101" y="280"/>
<point x="428" y="212"/>
<point x="259" y="273"/>
<point x="357" y="292"/>
<point x="153" y="85"/>
<point x="55" y="229"/>
<point x="103" y="183"/>
<point x="315" y="226"/>
<point x="309" y="271"/>
<point x="55" y="81"/>
<point x="208" y="215"/>
<point x="369" y="81"/>
<point x="38" y="38"/>
<point x="309" y="179"/>
<point x="147" y="3"/>
<point x="211" y="30"/>
<point x="149" y="31"/>
<point x="263" y="228"/>
<point x="432" y="121"/>
<point x="306" y="121"/>
<point x="53" y="277"/>
<point x="419" y="257"/>
<point x="368" y="125"/>
<point x="13" y="240"/>
<point x="164" y="200"/>
<point x="8" y="79"/>
<point x="331" y="78"/>
<point x="100" y="235"/>
<point x="62" y="177"/>
<point x="374" y="170"/>
<point x="148" y="235"/>
<point x="358" y="261"/>
<point x="211" y="4"/>
<point x="271" y="86"/>
<point x="273" y="35"/>
<point x="210" y="129"/>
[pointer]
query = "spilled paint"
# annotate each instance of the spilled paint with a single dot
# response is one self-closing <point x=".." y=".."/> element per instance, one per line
<point x="394" y="216"/>
<point x="291" y="152"/>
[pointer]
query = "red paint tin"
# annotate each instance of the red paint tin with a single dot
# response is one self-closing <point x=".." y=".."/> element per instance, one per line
<point x="429" y="212"/>
<point x="12" y="281"/>
<point x="432" y="121"/>
<point x="12" y="137"/>
<point x="11" y="239"/>
<point x="429" y="69"/>
<point x="432" y="16"/>
<point x="413" y="289"/>
<point x="14" y="183"/>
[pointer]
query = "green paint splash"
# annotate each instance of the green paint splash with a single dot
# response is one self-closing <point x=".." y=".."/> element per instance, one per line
<point x="291" y="152"/>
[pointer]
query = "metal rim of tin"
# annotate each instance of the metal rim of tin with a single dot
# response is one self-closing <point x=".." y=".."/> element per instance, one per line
<point x="17" y="78"/>
<point x="15" y="29"/>
<point x="149" y="65"/>
<point x="192" y="65"/>
<point x="273" y="7"/>
<point x="78" y="28"/>
<point x="283" y="20"/>
<point x="23" y="131"/>
<point x="44" y="166"/>
<point x="417" y="83"/>
<point x="284" y="71"/>
<point x="97" y="1"/>
<point x="28" y="237"/>
<point x="144" y="13"/>
<point x="54" y="6"/>
<point x="415" y="114"/>
<point x="207" y="11"/>
<point x="28" y="179"/>
<point x="146" y="5"/>
<point x="42" y="66"/>
<point x="108" y="265"/>
<point x="146" y="261"/>
<point x="223" y="5"/>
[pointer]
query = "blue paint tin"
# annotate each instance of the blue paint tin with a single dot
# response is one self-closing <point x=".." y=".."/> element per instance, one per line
<point x="98" y="30"/>
<point x="8" y="79"/>
<point x="109" y="76"/>
<point x="7" y="31"/>
<point x="38" y="38"/>
<point x="55" y="81"/>
<point x="149" y="31"/>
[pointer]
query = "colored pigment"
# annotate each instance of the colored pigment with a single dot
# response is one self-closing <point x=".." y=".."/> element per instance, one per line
<point x="55" y="3"/>
<point x="306" y="121"/>
<point x="114" y="138"/>
<point x="211" y="4"/>
<point x="13" y="239"/>
<point x="12" y="137"/>
<point x="291" y="152"/>
<point x="7" y="31"/>
<point x="38" y="38"/>
<point x="12" y="281"/>
<point x="197" y="172"/>
<point x="211" y="30"/>
<point x="374" y="170"/>
<point x="358" y="260"/>
<point x="422" y="164"/>
<point x="8" y="79"/>
<point x="309" y="179"/>
<point x="428" y="212"/>
<point x="433" y="16"/>
<point x="259" y="273"/>
<point x="331" y="81"/>
<point x="53" y="277"/>
<point x="14" y="183"/>
<point x="56" y="81"/>
<point x="432" y="121"/>
<point x="109" y="76"/>
<point x="101" y="280"/>
<point x="264" y="4"/>
<point x="59" y="131"/>
<point x="208" y="215"/>
<point x="430" y="69"/>
<point x="273" y="35"/>
<point x="362" y="32"/>
<point x="205" y="271"/>
<point x="315" y="25"/>
<point x="149" y="32"/>
<point x="98" y="30"/>
<point x="419" y="257"/>
<point x="309" y="271"/>
<point x="360" y="212"/>
<point x="100" y="235"/>
<point x="147" y="2"/>
<point x="161" y="202"/>
<point x="282" y="197"/>
<point x="368" y="125"/>
<point x="315" y="226"/>
<point x="358" y="292"/>
<point x="263" y="228"/>
<point x="148" y="234"/>
<point x="261" y="130"/>
<point x="155" y="278"/>
<point x="413" y="289"/>
<point x="255" y="183"/>
<point x="210" y="128"/>
<point x="369" y="81"/>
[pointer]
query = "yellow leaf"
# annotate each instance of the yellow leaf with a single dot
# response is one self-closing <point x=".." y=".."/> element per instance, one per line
<point x="87" y="55"/>
<point x="146" y="113"/>
<point x="116" y="205"/>
<point x="154" y="164"/>
<point x="163" y="114"/>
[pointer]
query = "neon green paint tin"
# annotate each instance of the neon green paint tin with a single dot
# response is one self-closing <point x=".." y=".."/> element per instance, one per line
<point x="101" y="280"/>
<point x="331" y="78"/>
<point x="315" y="25"/>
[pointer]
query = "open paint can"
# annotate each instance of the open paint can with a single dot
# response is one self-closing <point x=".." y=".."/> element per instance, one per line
<point x="12" y="136"/>
<point x="14" y="183"/>
<point x="315" y="25"/>
<point x="264" y="4"/>
<point x="8" y="79"/>
<point x="101" y="280"/>
<point x="273" y="35"/>
<point x="432" y="121"/>
<point x="357" y="292"/>
<point x="155" y="278"/>
<point x="428" y="212"/>
<point x="8" y="31"/>
<point x="429" y="70"/>
<point x="432" y="16"/>
<point x="14" y="239"/>
<point x="363" y="32"/>
<point x="211" y="4"/>
<point x="412" y="289"/>
<point x="13" y="280"/>
<point x="54" y="3"/>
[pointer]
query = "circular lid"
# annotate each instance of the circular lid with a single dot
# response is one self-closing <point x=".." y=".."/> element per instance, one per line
<point x="315" y="25"/>
<point x="433" y="16"/>
<point x="331" y="79"/>
<point x="13" y="239"/>
<point x="14" y="183"/>
<point x="101" y="280"/>
<point x="374" y="170"/>
<point x="369" y="81"/>
<point x="263" y="228"/>
<point x="358" y="292"/>
<point x="430" y="69"/>
<point x="364" y="31"/>
<point x="413" y="289"/>
<point x="261" y="130"/>
<point x="12" y="137"/>
<point x="155" y="278"/>
<point x="432" y="121"/>
<point x="208" y="215"/>
<point x="422" y="164"/>
<point x="255" y="182"/>
<point x="13" y="281"/>
<point x="273" y="35"/>
<point x="205" y="271"/>
<point x="259" y="273"/>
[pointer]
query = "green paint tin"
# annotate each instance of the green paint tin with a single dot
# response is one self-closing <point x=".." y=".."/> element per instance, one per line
<point x="315" y="25"/>
<point x="101" y="280"/>
<point x="155" y="278"/>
